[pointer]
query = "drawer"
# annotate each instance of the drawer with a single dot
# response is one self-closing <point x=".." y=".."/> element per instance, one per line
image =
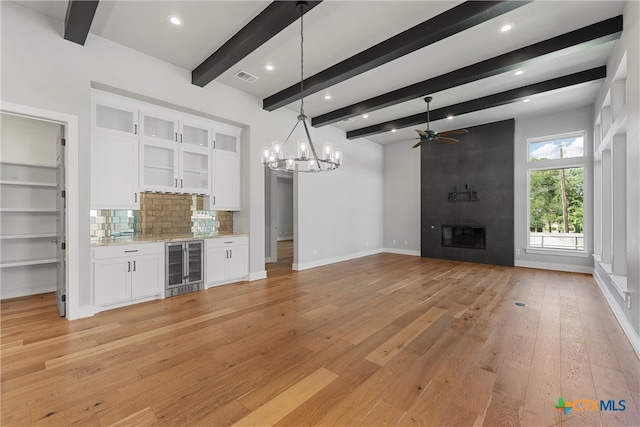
<point x="220" y="242"/>
<point x="116" y="251"/>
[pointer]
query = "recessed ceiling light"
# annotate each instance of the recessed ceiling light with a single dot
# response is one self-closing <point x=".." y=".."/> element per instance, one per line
<point x="506" y="27"/>
<point x="365" y="116"/>
<point x="393" y="130"/>
<point x="518" y="73"/>
<point x="526" y="100"/>
<point x="175" y="20"/>
<point x="269" y="67"/>
<point x="327" y="97"/>
<point x="449" y="117"/>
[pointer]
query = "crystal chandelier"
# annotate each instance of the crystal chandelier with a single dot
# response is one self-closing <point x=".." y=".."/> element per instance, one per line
<point x="306" y="158"/>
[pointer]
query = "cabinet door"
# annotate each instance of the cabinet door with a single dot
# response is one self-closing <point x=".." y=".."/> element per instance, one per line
<point x="194" y="133"/>
<point x="225" y="181"/>
<point x="227" y="139"/>
<point x="194" y="171"/>
<point x="216" y="264"/>
<point x="112" y="280"/>
<point x="158" y="166"/>
<point x="147" y="273"/>
<point x="158" y="126"/>
<point x="237" y="264"/>
<point x="113" y="115"/>
<point x="114" y="171"/>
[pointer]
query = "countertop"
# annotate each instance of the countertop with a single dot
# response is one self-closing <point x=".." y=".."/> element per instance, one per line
<point x="132" y="239"/>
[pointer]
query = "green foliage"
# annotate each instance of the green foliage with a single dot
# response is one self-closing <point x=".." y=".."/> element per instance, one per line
<point x="545" y="193"/>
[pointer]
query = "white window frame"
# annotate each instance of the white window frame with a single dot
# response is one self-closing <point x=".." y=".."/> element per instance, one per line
<point x="571" y="162"/>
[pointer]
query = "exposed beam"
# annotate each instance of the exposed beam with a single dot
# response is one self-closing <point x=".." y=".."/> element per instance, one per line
<point x="454" y="20"/>
<point x="495" y="100"/>
<point x="582" y="38"/>
<point x="273" y="19"/>
<point x="78" y="21"/>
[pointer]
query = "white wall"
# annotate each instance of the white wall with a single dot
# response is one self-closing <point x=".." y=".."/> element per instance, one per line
<point x="25" y="140"/>
<point x="402" y="198"/>
<point x="629" y="43"/>
<point x="41" y="69"/>
<point x="539" y="126"/>
<point x="340" y="213"/>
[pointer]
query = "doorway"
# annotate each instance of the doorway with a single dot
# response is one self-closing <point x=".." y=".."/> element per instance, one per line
<point x="279" y="227"/>
<point x="38" y="224"/>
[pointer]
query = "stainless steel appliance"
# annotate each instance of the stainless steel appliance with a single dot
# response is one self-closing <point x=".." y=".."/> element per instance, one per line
<point x="185" y="271"/>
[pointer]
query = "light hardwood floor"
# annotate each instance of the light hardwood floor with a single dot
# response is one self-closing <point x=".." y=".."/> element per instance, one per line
<point x="382" y="340"/>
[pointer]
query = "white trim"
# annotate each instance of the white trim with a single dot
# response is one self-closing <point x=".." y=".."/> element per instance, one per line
<point x="333" y="260"/>
<point x="631" y="334"/>
<point x="402" y="251"/>
<point x="28" y="290"/>
<point x="267" y="260"/>
<point x="259" y="275"/>
<point x="70" y="123"/>
<point x="557" y="252"/>
<point x="553" y="266"/>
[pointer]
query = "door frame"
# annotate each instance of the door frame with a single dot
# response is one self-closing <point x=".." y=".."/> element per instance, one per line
<point x="72" y="177"/>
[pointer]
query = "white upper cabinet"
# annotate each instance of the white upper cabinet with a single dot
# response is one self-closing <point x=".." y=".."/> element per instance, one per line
<point x="114" y="114"/>
<point x="114" y="170"/>
<point x="158" y="125"/>
<point x="159" y="166"/>
<point x="195" y="133"/>
<point x="195" y="171"/>
<point x="227" y="138"/>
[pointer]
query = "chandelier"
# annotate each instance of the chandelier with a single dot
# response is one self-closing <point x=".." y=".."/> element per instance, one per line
<point x="306" y="159"/>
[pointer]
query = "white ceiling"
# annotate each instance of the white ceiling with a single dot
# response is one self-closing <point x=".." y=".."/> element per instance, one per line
<point x="336" y="30"/>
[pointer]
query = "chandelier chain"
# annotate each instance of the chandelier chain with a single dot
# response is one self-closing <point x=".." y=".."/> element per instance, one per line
<point x="302" y="61"/>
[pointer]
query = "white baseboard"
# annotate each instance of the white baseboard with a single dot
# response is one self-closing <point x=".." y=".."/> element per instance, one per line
<point x="631" y="334"/>
<point x="402" y="251"/>
<point x="333" y="260"/>
<point x="82" y="311"/>
<point x="267" y="260"/>
<point x="258" y="275"/>
<point x="27" y="290"/>
<point x="557" y="267"/>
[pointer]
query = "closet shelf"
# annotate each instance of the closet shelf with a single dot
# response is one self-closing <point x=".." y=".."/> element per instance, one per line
<point x="28" y="236"/>
<point x="25" y="262"/>
<point x="28" y="184"/>
<point x="28" y="210"/>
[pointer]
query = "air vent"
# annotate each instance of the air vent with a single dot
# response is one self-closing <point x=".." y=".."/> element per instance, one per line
<point x="247" y="77"/>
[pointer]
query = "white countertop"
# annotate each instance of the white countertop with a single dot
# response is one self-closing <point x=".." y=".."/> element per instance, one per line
<point x="131" y="239"/>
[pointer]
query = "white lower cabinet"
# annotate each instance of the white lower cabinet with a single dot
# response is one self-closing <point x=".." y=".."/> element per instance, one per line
<point x="227" y="260"/>
<point x="126" y="274"/>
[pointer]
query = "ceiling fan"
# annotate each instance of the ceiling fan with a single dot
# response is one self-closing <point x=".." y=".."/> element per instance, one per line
<point x="431" y="135"/>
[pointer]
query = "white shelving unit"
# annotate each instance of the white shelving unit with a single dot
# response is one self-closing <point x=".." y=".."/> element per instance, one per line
<point x="28" y="208"/>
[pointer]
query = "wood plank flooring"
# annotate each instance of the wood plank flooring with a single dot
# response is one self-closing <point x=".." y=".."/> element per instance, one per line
<point x="382" y="340"/>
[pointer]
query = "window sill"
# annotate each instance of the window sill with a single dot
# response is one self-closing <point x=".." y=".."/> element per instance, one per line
<point x="560" y="252"/>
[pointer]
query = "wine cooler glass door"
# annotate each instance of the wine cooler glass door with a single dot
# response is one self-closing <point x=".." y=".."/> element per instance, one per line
<point x="194" y="258"/>
<point x="175" y="264"/>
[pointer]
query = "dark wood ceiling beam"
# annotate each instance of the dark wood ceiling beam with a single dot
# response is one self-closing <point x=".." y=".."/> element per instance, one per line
<point x="582" y="38"/>
<point x="78" y="21"/>
<point x="495" y="100"/>
<point x="273" y="19"/>
<point x="448" y="23"/>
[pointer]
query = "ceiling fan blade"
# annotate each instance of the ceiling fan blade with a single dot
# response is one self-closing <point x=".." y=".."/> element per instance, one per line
<point x="446" y="140"/>
<point x="421" y="132"/>
<point x="453" y="132"/>
<point x="419" y="143"/>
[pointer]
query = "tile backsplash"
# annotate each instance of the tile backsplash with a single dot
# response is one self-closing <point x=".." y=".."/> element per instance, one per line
<point x="161" y="214"/>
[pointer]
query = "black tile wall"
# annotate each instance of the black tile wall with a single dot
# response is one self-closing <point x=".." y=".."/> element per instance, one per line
<point x="483" y="160"/>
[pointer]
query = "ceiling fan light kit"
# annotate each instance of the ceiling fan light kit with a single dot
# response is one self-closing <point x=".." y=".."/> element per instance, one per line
<point x="306" y="159"/>
<point x="429" y="135"/>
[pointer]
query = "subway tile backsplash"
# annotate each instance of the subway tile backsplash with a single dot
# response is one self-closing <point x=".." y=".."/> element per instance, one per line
<point x="161" y="214"/>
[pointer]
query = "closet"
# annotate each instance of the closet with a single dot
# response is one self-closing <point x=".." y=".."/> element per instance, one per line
<point x="28" y="211"/>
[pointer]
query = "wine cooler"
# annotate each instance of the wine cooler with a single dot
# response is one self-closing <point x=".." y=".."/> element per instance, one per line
<point x="185" y="272"/>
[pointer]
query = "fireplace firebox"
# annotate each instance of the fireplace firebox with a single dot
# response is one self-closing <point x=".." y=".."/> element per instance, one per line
<point x="463" y="236"/>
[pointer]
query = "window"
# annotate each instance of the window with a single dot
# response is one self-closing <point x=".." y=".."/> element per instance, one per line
<point x="556" y="179"/>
